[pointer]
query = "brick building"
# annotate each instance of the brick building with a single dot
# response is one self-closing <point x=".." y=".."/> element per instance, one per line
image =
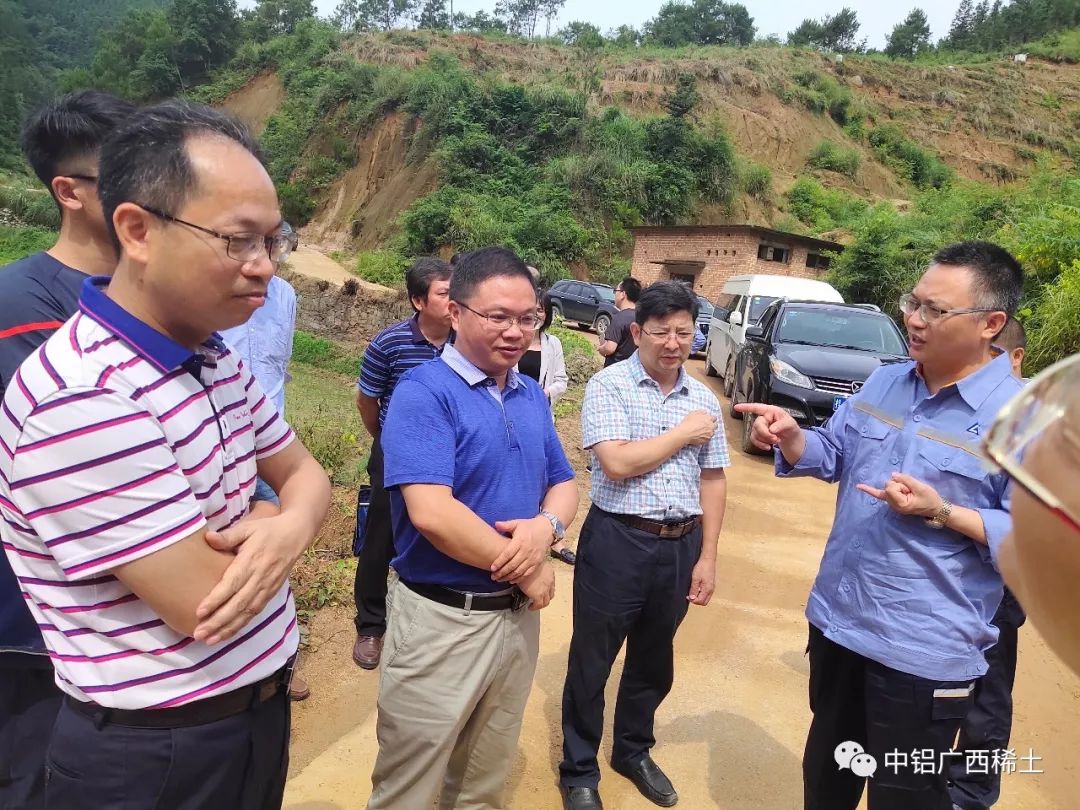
<point x="707" y="255"/>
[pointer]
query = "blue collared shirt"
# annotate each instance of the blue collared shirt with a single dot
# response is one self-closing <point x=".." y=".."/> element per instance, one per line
<point x="917" y="599"/>
<point x="450" y="425"/>
<point x="623" y="403"/>
<point x="265" y="342"/>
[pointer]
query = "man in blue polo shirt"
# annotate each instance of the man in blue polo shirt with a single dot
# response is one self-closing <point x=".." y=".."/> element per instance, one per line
<point x="480" y="489"/>
<point x="900" y="614"/>
<point x="394" y="351"/>
<point x="37" y="294"/>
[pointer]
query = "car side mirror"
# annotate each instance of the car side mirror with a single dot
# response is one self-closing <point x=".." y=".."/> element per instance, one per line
<point x="593" y="299"/>
<point x="735" y="319"/>
<point x="755" y="333"/>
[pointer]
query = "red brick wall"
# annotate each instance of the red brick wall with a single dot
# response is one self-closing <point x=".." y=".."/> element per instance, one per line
<point x="725" y="253"/>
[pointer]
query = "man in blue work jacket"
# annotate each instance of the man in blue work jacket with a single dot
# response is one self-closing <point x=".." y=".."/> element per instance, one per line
<point x="900" y="614"/>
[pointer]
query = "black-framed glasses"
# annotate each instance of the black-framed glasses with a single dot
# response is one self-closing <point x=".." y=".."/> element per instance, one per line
<point x="909" y="305"/>
<point x="1041" y="411"/>
<point x="528" y="323"/>
<point x="242" y="247"/>
<point x="89" y="178"/>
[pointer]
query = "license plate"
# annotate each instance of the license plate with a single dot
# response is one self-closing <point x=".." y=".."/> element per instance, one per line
<point x="837" y="401"/>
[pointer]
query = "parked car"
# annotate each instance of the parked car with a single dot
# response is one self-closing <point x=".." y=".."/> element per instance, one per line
<point x="588" y="304"/>
<point x="808" y="357"/>
<point x="704" y="318"/>
<point x="741" y="302"/>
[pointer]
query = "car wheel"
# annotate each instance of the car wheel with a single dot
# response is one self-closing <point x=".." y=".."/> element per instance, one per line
<point x="603" y="321"/>
<point x="729" y="380"/>
<point x="556" y="310"/>
<point x="709" y="370"/>
<point x="748" y="446"/>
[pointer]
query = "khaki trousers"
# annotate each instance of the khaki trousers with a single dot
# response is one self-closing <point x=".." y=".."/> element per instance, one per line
<point x="452" y="693"/>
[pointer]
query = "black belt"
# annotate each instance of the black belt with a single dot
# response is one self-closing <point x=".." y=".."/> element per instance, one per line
<point x="468" y="601"/>
<point x="669" y="531"/>
<point x="197" y="713"/>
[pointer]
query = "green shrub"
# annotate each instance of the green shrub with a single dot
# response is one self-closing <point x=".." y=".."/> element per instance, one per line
<point x="17" y="242"/>
<point x="907" y="159"/>
<point x="835" y="158"/>
<point x="756" y="180"/>
<point x="29" y="206"/>
<point x="823" y="94"/>
<point x="1054" y="326"/>
<point x="322" y="353"/>
<point x="332" y="446"/>
<point x="823" y="209"/>
<point x="385" y="267"/>
<point x="1052" y="101"/>
<point x="1060" y="47"/>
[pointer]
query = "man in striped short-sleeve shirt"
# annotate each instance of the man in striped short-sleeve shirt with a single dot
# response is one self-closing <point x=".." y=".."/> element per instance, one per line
<point x="390" y="354"/>
<point x="129" y="447"/>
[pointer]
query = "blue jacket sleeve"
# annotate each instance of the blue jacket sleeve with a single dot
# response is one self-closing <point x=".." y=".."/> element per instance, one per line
<point x="824" y="454"/>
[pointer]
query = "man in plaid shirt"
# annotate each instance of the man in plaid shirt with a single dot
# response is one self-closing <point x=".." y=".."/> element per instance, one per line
<point x="648" y="546"/>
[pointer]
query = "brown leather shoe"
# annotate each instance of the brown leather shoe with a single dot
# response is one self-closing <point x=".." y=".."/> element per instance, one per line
<point x="366" y="651"/>
<point x="299" y="689"/>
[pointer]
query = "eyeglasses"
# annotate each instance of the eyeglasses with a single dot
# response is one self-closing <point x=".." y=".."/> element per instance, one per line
<point x="242" y="247"/>
<point x="909" y="305"/>
<point x="89" y="178"/>
<point x="528" y="323"/>
<point x="681" y="335"/>
<point x="1037" y="412"/>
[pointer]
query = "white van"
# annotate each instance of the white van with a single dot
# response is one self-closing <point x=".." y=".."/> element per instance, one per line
<point x="741" y="303"/>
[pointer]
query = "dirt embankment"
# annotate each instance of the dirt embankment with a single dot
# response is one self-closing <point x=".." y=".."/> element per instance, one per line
<point x="362" y="206"/>
<point x="257" y="101"/>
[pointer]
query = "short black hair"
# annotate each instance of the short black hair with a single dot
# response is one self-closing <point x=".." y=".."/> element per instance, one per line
<point x="998" y="280"/>
<point x="422" y="272"/>
<point x="477" y="266"/>
<point x="146" y="159"/>
<point x="631" y="288"/>
<point x="1012" y="336"/>
<point x="662" y="298"/>
<point x="71" y="127"/>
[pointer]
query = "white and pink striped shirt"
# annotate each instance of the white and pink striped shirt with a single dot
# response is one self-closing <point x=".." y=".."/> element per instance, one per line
<point x="116" y="442"/>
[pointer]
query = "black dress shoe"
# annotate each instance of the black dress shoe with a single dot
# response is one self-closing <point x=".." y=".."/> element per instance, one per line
<point x="582" y="798"/>
<point x="650" y="780"/>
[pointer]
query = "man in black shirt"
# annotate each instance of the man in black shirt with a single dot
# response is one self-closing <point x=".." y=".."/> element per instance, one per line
<point x="618" y="343"/>
<point x="37" y="294"/>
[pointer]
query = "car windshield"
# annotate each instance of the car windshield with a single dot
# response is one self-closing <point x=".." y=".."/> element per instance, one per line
<point x="758" y="305"/>
<point x="605" y="293"/>
<point x="865" y="331"/>
<point x="704" y="308"/>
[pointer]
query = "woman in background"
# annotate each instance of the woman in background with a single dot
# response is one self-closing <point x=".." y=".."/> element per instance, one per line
<point x="544" y="362"/>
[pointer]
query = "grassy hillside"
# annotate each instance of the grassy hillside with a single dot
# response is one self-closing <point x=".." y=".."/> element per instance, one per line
<point x="358" y="127"/>
<point x="389" y="145"/>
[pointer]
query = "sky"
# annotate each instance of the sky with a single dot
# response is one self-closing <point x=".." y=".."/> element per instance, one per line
<point x="770" y="16"/>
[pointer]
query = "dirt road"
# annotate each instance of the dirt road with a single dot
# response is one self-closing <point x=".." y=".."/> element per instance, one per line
<point x="732" y="731"/>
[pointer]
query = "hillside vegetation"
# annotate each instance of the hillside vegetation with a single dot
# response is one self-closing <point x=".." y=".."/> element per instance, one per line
<point x="387" y="144"/>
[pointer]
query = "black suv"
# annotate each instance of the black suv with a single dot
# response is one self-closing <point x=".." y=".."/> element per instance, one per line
<point x="591" y="305"/>
<point x="809" y="357"/>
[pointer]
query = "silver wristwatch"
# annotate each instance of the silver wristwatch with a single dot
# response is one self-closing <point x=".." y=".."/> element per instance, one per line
<point x="557" y="528"/>
<point x="941" y="518"/>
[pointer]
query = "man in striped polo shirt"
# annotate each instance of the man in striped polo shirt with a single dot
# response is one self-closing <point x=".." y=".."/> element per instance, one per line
<point x="37" y="294"/>
<point x="394" y="351"/>
<point x="129" y="447"/>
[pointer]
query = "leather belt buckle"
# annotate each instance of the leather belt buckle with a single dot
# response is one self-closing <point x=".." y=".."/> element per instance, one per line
<point x="669" y="530"/>
<point x="518" y="600"/>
